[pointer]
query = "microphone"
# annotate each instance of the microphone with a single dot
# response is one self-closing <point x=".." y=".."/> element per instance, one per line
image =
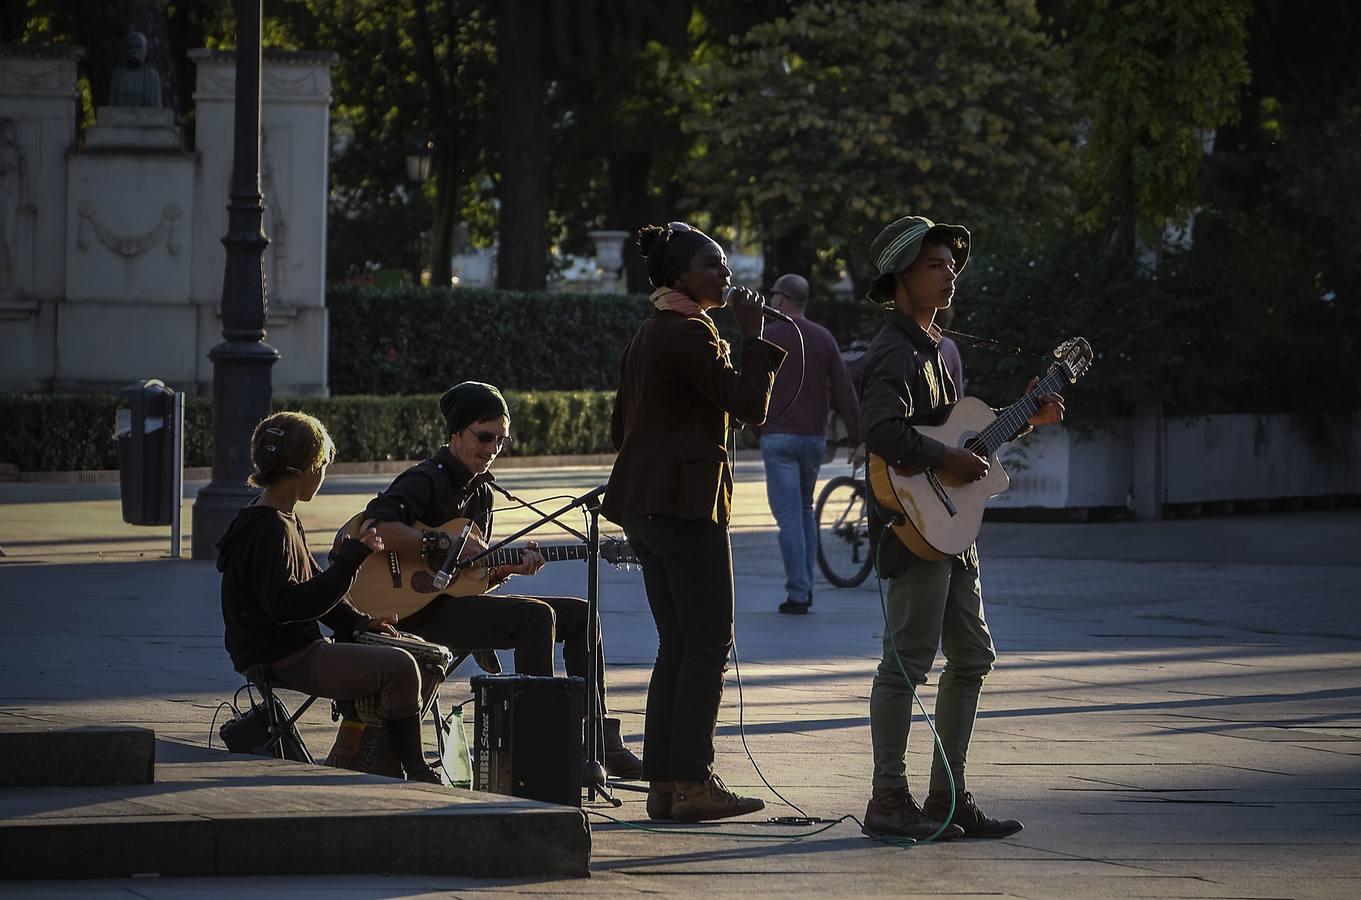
<point x="445" y="573"/>
<point x="767" y="310"/>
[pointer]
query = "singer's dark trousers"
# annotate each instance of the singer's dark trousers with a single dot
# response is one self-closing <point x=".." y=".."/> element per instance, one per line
<point x="687" y="570"/>
<point x="527" y="625"/>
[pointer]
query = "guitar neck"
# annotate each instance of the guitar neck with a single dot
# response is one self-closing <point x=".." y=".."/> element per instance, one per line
<point x="511" y="556"/>
<point x="1014" y="417"/>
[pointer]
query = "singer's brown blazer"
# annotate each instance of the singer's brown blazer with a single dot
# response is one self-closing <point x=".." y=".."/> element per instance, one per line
<point x="677" y="387"/>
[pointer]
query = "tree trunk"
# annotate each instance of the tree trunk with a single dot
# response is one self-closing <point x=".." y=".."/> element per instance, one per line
<point x="632" y="207"/>
<point x="522" y="257"/>
<point x="789" y="253"/>
<point x="445" y="219"/>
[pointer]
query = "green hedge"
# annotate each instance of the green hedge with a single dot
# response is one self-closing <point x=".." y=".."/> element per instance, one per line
<point x="73" y="432"/>
<point x="412" y="340"/>
<point x="409" y="339"/>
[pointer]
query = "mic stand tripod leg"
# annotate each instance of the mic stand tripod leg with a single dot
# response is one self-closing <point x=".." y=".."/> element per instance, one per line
<point x="594" y="780"/>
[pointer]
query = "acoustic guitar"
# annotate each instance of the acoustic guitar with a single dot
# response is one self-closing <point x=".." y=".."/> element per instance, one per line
<point x="391" y="583"/>
<point x="935" y="515"/>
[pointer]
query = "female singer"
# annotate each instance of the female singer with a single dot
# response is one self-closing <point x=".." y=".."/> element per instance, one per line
<point x="671" y="489"/>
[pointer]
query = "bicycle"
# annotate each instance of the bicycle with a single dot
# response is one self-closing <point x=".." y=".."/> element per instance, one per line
<point x="845" y="552"/>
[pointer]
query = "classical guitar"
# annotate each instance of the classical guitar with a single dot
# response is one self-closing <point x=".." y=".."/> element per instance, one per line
<point x="938" y="516"/>
<point x="400" y="583"/>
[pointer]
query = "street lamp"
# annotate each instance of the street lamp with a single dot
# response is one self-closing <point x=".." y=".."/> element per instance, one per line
<point x="242" y="389"/>
<point x="418" y="164"/>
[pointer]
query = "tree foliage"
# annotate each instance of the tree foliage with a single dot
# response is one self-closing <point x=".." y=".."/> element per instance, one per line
<point x="843" y="116"/>
<point x="411" y="77"/>
<point x="1155" y="79"/>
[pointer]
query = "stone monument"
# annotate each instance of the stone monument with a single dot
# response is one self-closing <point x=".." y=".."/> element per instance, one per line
<point x="111" y="258"/>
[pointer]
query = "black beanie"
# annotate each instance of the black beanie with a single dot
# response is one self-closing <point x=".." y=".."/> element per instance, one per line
<point x="469" y="402"/>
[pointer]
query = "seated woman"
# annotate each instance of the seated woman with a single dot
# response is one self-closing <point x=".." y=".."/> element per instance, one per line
<point x="274" y="593"/>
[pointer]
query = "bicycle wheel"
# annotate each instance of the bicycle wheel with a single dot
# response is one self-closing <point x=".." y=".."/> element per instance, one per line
<point x="845" y="554"/>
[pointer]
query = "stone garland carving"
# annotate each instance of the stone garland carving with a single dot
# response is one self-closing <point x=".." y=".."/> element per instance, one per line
<point x="131" y="245"/>
<point x="53" y="77"/>
<point x="308" y="84"/>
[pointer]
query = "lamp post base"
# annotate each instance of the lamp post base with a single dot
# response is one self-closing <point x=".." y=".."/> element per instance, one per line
<point x="241" y="398"/>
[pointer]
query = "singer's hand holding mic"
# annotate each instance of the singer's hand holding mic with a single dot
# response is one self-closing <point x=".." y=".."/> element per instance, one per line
<point x="750" y="310"/>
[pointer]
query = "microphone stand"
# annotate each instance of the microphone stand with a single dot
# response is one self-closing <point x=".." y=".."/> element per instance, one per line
<point x="593" y="768"/>
<point x="491" y="483"/>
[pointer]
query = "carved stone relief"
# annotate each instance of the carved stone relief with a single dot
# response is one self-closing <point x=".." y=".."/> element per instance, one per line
<point x="128" y="246"/>
<point x="14" y="189"/>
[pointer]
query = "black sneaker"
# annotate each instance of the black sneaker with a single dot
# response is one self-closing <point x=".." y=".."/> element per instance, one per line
<point x="893" y="813"/>
<point x="795" y="608"/>
<point x="968" y="816"/>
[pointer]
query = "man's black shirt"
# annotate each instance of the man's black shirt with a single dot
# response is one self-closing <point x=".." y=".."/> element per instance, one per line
<point x="434" y="491"/>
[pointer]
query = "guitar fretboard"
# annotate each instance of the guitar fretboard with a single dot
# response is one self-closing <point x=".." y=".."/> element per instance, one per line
<point x="511" y="556"/>
<point x="1014" y="417"/>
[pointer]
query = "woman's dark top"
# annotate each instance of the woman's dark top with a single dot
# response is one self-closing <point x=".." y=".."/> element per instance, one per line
<point x="273" y="591"/>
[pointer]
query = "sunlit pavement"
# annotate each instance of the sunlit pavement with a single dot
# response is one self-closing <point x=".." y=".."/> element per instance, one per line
<point x="1174" y="713"/>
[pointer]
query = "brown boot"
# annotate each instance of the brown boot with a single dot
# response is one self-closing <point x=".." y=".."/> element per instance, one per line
<point x="659" y="796"/>
<point x="893" y="813"/>
<point x="619" y="759"/>
<point x="968" y="816"/>
<point x="700" y="801"/>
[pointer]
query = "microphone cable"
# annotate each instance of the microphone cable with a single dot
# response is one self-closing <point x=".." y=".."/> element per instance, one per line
<point x="803" y="819"/>
<point x="803" y="373"/>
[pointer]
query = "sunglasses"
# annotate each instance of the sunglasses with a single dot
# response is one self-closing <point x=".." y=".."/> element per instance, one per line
<point x="486" y="437"/>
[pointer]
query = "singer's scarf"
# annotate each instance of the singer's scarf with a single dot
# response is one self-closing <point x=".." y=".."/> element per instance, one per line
<point x="666" y="298"/>
<point x="674" y="300"/>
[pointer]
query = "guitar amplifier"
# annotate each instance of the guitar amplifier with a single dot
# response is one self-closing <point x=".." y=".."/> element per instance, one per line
<point x="527" y="736"/>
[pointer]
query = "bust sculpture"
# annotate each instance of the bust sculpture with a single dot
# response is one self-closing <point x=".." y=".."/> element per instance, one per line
<point x="135" y="83"/>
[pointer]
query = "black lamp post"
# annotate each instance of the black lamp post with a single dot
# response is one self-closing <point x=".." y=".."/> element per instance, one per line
<point x="417" y="171"/>
<point x="241" y="363"/>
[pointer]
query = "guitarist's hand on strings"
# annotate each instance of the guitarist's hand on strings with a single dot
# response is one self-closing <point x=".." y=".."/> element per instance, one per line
<point x="531" y="561"/>
<point x="1051" y="407"/>
<point x="963" y="465"/>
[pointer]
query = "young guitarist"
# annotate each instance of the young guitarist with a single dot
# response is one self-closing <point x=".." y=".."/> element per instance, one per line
<point x="453" y="484"/>
<point x="930" y="604"/>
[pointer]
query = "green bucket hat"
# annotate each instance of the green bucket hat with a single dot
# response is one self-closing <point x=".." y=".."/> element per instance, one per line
<point x="898" y="244"/>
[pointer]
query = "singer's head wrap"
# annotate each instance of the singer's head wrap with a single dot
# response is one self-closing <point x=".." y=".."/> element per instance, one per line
<point x="668" y="250"/>
<point x="899" y="244"/>
<point x="469" y="402"/>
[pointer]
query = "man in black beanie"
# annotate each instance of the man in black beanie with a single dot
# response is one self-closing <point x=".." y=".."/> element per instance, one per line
<point x="454" y="484"/>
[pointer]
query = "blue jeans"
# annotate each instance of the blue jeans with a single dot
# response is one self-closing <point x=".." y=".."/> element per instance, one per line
<point x="792" y="464"/>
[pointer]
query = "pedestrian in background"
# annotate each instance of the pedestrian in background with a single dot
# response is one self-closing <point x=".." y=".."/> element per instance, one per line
<point x="794" y="439"/>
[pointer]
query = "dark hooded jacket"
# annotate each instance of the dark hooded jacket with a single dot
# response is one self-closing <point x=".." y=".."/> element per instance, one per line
<point x="273" y="591"/>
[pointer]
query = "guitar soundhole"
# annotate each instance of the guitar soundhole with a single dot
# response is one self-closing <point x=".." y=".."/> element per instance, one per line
<point x="423" y="583"/>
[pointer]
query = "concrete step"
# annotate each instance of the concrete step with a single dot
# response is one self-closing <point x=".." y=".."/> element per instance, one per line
<point x="37" y="755"/>
<point x="215" y="813"/>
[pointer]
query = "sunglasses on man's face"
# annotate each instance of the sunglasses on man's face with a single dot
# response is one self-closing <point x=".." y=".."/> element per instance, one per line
<point x="486" y="437"/>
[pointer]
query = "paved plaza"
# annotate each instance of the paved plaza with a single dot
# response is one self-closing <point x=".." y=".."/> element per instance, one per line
<point x="1176" y="711"/>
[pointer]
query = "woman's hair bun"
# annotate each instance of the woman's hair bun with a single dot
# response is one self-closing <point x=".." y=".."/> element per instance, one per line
<point x="647" y="236"/>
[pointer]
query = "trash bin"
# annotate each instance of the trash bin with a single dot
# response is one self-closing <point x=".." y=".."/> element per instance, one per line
<point x="144" y="429"/>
